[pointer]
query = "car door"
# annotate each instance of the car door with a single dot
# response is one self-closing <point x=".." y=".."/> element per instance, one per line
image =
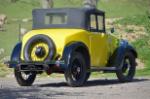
<point x="98" y="41"/>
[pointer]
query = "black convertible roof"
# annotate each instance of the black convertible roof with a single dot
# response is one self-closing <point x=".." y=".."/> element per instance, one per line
<point x="77" y="17"/>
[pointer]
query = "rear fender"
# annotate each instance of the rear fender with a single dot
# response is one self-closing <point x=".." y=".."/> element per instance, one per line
<point x="15" y="56"/>
<point x="69" y="49"/>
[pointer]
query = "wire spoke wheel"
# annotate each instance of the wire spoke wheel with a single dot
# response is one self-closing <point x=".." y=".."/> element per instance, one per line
<point x="127" y="68"/>
<point x="24" y="78"/>
<point x="76" y="72"/>
<point x="76" y="69"/>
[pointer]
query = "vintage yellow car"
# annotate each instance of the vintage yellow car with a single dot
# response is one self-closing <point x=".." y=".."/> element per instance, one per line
<point x="72" y="41"/>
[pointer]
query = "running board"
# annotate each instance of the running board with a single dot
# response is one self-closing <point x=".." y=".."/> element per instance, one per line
<point x="104" y="69"/>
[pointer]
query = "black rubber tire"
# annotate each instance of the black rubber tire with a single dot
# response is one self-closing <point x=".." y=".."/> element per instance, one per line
<point x="131" y="70"/>
<point x="87" y="76"/>
<point x="71" y="81"/>
<point x="88" y="72"/>
<point x="36" y="39"/>
<point x="24" y="82"/>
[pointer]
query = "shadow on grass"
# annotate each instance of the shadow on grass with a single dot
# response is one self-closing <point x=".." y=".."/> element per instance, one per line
<point x="101" y="82"/>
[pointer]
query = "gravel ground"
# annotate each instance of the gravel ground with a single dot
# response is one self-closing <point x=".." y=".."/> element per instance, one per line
<point x="56" y="88"/>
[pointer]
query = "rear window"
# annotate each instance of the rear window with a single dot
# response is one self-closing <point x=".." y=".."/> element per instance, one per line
<point x="56" y="18"/>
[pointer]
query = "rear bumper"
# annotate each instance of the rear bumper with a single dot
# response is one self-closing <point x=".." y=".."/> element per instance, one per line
<point x="35" y="66"/>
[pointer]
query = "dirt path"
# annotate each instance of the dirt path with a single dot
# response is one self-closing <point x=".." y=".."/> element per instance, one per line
<point x="51" y="88"/>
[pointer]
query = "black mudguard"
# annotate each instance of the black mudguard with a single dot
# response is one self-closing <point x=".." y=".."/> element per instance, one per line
<point x="69" y="49"/>
<point x="116" y="58"/>
<point x="15" y="56"/>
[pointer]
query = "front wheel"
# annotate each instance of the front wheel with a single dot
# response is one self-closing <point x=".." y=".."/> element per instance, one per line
<point x="127" y="68"/>
<point x="76" y="73"/>
<point x="24" y="78"/>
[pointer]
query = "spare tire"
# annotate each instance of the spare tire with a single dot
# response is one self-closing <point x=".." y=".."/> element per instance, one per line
<point x="39" y="48"/>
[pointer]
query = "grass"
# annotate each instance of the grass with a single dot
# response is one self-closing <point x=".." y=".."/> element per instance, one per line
<point x="124" y="8"/>
<point x="113" y="8"/>
<point x="19" y="10"/>
<point x="4" y="71"/>
<point x="133" y="20"/>
<point x="132" y="11"/>
<point x="143" y="48"/>
<point x="142" y="45"/>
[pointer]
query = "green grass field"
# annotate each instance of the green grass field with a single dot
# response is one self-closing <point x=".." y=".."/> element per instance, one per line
<point x="132" y="12"/>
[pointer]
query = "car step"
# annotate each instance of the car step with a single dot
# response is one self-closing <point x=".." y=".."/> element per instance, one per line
<point x="104" y="69"/>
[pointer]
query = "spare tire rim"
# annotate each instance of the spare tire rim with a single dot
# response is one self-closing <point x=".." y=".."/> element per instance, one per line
<point x="39" y="51"/>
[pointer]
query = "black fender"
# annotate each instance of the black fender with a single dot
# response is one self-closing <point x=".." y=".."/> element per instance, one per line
<point x="118" y="55"/>
<point x="69" y="49"/>
<point x="15" y="56"/>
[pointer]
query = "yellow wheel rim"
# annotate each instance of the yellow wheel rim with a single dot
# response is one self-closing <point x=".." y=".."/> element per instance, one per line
<point x="33" y="49"/>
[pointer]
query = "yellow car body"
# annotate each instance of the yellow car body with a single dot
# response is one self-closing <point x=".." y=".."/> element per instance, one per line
<point x="101" y="45"/>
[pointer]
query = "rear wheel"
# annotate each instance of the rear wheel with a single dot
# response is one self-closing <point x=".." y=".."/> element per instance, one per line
<point x="76" y="73"/>
<point x="126" y="70"/>
<point x="24" y="78"/>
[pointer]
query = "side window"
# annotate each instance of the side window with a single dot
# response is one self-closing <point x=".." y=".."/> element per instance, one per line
<point x="93" y="24"/>
<point x="97" y="23"/>
<point x="100" y="22"/>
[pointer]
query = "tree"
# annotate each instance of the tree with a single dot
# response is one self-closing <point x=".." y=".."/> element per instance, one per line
<point x="90" y="3"/>
<point x="47" y="4"/>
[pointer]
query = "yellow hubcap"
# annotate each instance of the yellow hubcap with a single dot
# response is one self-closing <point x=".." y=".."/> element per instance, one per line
<point x="34" y="56"/>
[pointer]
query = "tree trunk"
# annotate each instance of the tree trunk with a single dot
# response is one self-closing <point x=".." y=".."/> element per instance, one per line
<point x="47" y="4"/>
<point x="90" y="3"/>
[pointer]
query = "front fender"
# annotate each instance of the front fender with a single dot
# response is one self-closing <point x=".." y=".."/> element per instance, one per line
<point x="121" y="50"/>
<point x="15" y="56"/>
<point x="124" y="47"/>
